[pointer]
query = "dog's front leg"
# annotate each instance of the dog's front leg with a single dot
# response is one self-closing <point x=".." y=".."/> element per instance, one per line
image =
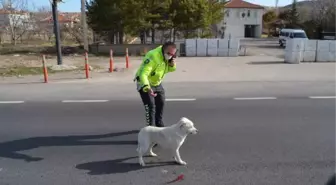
<point x="177" y="157"/>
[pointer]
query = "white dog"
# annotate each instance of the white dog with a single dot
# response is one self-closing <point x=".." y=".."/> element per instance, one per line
<point x="171" y="137"/>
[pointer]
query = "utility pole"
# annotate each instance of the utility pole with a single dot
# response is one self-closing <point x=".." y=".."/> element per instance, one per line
<point x="84" y="26"/>
<point x="56" y="31"/>
<point x="276" y="7"/>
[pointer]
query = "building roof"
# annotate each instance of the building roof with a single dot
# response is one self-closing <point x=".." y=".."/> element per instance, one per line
<point x="63" y="18"/>
<point x="242" y="4"/>
<point x="12" y="11"/>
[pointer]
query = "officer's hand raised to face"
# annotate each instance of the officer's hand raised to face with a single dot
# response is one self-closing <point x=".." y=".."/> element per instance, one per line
<point x="172" y="62"/>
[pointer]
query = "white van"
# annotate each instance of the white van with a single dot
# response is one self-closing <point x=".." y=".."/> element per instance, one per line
<point x="286" y="34"/>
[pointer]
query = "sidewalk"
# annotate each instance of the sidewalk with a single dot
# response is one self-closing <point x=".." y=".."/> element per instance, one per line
<point x="200" y="69"/>
<point x="250" y="68"/>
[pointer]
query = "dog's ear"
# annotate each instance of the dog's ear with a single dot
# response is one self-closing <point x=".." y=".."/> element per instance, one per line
<point x="184" y="119"/>
<point x="182" y="124"/>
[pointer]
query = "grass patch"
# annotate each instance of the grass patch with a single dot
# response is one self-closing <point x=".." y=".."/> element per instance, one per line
<point x="40" y="49"/>
<point x="23" y="71"/>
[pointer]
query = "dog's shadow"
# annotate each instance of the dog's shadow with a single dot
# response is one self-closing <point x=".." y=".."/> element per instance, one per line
<point x="11" y="149"/>
<point x="118" y="166"/>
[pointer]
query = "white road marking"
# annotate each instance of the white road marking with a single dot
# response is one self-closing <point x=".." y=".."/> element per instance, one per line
<point x="180" y="99"/>
<point x="256" y="98"/>
<point x="84" y="101"/>
<point x="11" y="102"/>
<point x="322" y="97"/>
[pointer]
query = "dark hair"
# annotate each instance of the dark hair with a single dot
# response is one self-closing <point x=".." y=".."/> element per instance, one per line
<point x="166" y="44"/>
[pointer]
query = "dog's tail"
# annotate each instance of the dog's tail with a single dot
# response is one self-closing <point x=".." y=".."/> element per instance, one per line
<point x="138" y="149"/>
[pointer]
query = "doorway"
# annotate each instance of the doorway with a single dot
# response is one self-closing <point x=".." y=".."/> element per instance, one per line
<point x="250" y="31"/>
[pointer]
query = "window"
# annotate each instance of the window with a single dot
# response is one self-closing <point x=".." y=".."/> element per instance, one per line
<point x="227" y="13"/>
<point x="300" y="35"/>
<point x="248" y="13"/>
<point x="255" y="13"/>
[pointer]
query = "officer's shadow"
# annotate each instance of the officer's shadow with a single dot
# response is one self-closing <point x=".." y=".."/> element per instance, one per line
<point x="11" y="149"/>
<point x="118" y="166"/>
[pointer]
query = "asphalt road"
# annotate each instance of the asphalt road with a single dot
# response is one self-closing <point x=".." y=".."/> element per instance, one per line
<point x="241" y="142"/>
<point x="198" y="90"/>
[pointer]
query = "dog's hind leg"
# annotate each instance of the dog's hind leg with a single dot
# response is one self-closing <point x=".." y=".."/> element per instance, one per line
<point x="142" y="149"/>
<point x="140" y="155"/>
<point x="151" y="153"/>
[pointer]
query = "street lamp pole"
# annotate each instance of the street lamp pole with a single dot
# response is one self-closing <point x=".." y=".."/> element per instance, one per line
<point x="57" y="31"/>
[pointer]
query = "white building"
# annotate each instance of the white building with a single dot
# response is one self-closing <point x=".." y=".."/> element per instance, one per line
<point x="241" y="19"/>
<point x="15" y="19"/>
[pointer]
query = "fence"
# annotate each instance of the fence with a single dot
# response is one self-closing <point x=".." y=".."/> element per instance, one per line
<point x="133" y="49"/>
<point x="298" y="50"/>
<point x="212" y="47"/>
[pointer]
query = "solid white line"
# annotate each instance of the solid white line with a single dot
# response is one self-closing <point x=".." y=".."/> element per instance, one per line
<point x="180" y="99"/>
<point x="84" y="101"/>
<point x="256" y="98"/>
<point x="322" y="97"/>
<point x="11" y="102"/>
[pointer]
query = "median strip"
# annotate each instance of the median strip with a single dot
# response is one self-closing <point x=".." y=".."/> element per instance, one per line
<point x="322" y="97"/>
<point x="180" y="99"/>
<point x="84" y="101"/>
<point x="256" y="98"/>
<point x="11" y="102"/>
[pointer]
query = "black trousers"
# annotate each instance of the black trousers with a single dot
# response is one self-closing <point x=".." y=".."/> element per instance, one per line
<point x="154" y="105"/>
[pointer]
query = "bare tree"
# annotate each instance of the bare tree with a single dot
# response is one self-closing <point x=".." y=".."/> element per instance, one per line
<point x="16" y="18"/>
<point x="42" y="26"/>
<point x="323" y="13"/>
<point x="74" y="31"/>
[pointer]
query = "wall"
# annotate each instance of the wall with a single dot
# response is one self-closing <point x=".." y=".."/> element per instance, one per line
<point x="133" y="49"/>
<point x="298" y="50"/>
<point x="20" y="20"/>
<point x="120" y="49"/>
<point x="235" y="22"/>
<point x="212" y="47"/>
<point x="4" y="21"/>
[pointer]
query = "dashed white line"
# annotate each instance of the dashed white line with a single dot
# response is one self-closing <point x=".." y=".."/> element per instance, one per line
<point x="322" y="97"/>
<point x="84" y="101"/>
<point x="11" y="102"/>
<point x="180" y="99"/>
<point x="256" y="98"/>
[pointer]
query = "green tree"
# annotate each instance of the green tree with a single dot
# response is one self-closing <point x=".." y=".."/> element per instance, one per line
<point x="143" y="16"/>
<point x="294" y="16"/>
<point x="191" y="15"/>
<point x="158" y="15"/>
<point x="105" y="17"/>
<point x="215" y="14"/>
<point x="284" y="15"/>
<point x="268" y="19"/>
<point x="135" y="16"/>
<point x="269" y="16"/>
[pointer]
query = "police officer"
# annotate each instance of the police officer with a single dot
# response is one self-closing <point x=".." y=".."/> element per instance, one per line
<point x="155" y="65"/>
